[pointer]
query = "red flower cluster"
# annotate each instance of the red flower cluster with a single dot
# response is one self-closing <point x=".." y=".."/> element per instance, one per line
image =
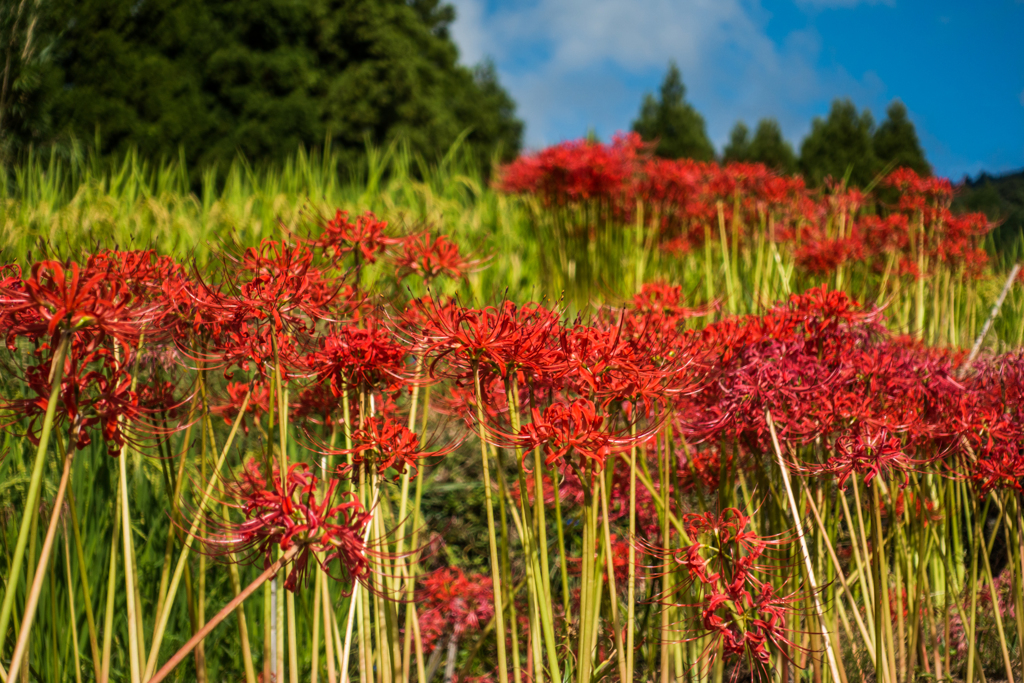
<point x="689" y="201"/>
<point x="719" y="565"/>
<point x="451" y="602"/>
<point x="327" y="525"/>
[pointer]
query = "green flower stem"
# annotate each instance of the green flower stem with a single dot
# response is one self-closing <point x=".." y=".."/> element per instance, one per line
<point x="129" y="574"/>
<point x="41" y="573"/>
<point x="492" y="540"/>
<point x="71" y="606"/>
<point x="165" y="614"/>
<point x="996" y="609"/>
<point x="180" y="655"/>
<point x="842" y="580"/>
<point x="812" y="587"/>
<point x="329" y="629"/>
<point x="563" y="567"/>
<point x="535" y="546"/>
<point x="354" y="602"/>
<point x="612" y="592"/>
<point x="976" y="542"/>
<point x="108" y="618"/>
<point x="35" y="484"/>
<point x="83" y="573"/>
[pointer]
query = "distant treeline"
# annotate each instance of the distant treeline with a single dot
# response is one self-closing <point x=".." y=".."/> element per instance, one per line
<point x="212" y="79"/>
<point x="1001" y="198"/>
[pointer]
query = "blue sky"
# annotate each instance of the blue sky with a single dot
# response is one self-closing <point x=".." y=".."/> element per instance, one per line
<point x="572" y="65"/>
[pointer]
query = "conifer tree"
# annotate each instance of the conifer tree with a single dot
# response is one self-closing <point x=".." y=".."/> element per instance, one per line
<point x="896" y="141"/>
<point x="673" y="123"/>
<point x="840" y="144"/>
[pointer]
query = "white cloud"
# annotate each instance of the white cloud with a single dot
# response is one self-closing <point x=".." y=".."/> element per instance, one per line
<point x="571" y="64"/>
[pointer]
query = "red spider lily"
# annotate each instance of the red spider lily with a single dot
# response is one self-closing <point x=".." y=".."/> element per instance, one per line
<point x="259" y="402"/>
<point x="359" y="357"/>
<point x="721" y="565"/>
<point x="575" y="171"/>
<point x="867" y="453"/>
<point x="258" y="347"/>
<point x="280" y="281"/>
<point x="317" y="404"/>
<point x="383" y="443"/>
<point x="364" y="237"/>
<point x="95" y="390"/>
<point x="328" y="525"/>
<point x="450" y="601"/>
<point x="499" y="338"/>
<point x="571" y="427"/>
<point x="431" y="259"/>
<point x="58" y="298"/>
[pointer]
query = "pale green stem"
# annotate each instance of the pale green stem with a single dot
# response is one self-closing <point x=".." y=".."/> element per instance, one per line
<point x="41" y="573"/>
<point x="72" y="616"/>
<point x="492" y="540"/>
<point x="35" y="483"/>
<point x="165" y="614"/>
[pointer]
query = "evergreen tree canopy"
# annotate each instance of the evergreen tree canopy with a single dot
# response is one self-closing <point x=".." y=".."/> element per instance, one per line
<point x="840" y="143"/>
<point x="896" y="141"/>
<point x="261" y="77"/>
<point x="769" y="147"/>
<point x="738" y="148"/>
<point x="674" y="124"/>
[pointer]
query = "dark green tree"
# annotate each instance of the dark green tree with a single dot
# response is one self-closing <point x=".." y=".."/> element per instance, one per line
<point x="738" y="148"/>
<point x="839" y="144"/>
<point x="896" y="141"/>
<point x="262" y="77"/>
<point x="673" y="123"/>
<point x="771" y="149"/>
<point x="25" y="48"/>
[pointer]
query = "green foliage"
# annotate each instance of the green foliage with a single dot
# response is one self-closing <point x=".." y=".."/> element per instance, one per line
<point x="896" y="142"/>
<point x="23" y="76"/>
<point x="771" y="149"/>
<point x="768" y="147"/>
<point x="1001" y="198"/>
<point x="673" y="123"/>
<point x="738" y="148"/>
<point x="840" y="144"/>
<point x="264" y="77"/>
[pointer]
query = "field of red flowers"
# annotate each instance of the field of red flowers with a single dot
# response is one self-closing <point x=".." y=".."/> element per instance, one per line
<point x="279" y="467"/>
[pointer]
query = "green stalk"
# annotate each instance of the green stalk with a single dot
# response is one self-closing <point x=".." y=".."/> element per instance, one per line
<point x="631" y="580"/>
<point x="243" y="627"/>
<point x="314" y="672"/>
<point x="1004" y="649"/>
<point x="165" y="614"/>
<point x="329" y="631"/>
<point x="585" y="654"/>
<point x="32" y="499"/>
<point x="612" y="592"/>
<point x="492" y="541"/>
<point x="884" y="629"/>
<point x="108" y="619"/>
<point x="976" y="542"/>
<point x="1018" y="569"/>
<point x="537" y="561"/>
<point x="506" y="566"/>
<point x="73" y="617"/>
<point x="129" y="574"/>
<point x="180" y="655"/>
<point x="86" y="593"/>
<point x="563" y="567"/>
<point x="32" y="601"/>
